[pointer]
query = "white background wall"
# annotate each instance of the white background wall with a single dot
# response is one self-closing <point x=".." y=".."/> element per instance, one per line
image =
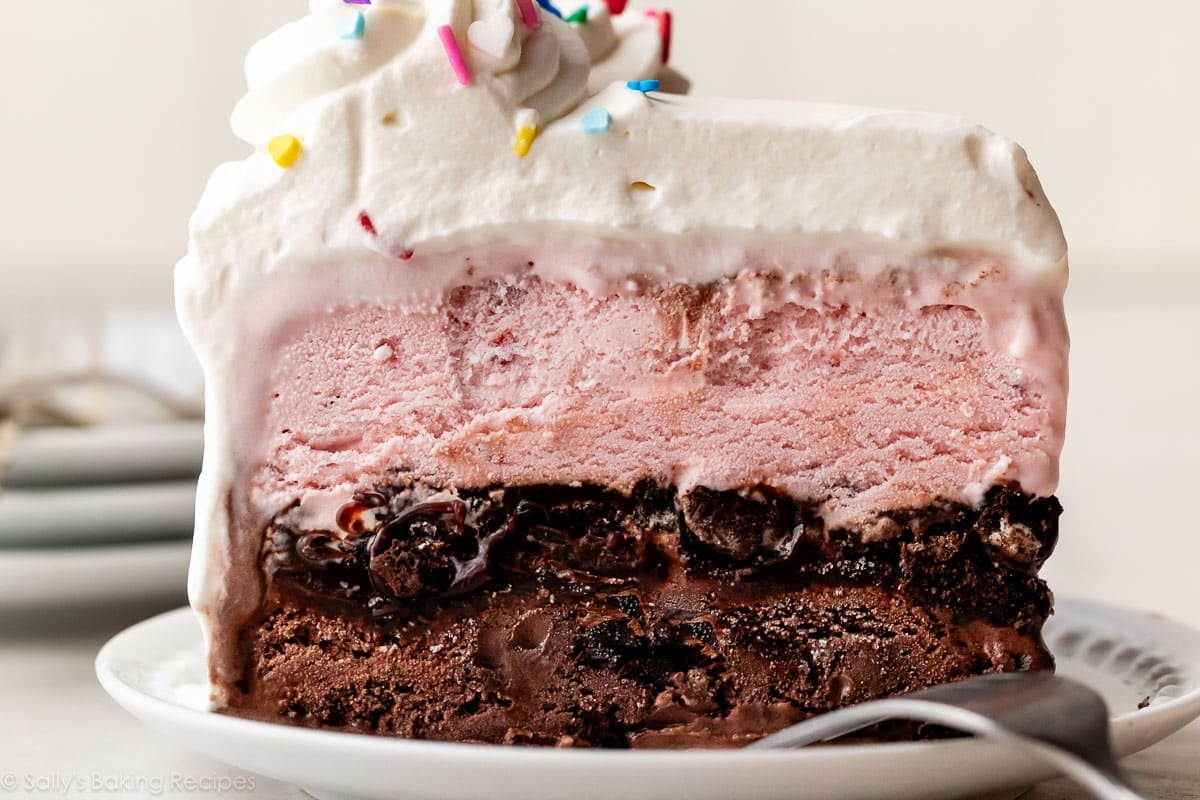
<point x="114" y="112"/>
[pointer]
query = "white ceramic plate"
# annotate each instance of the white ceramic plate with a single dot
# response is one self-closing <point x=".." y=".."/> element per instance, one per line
<point x="97" y="515"/>
<point x="79" y="576"/>
<point x="156" y="671"/>
<point x="101" y="485"/>
<point x="41" y="458"/>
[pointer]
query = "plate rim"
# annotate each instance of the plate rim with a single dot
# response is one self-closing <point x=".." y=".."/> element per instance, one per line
<point x="121" y="549"/>
<point x="152" y="570"/>
<point x="139" y="512"/>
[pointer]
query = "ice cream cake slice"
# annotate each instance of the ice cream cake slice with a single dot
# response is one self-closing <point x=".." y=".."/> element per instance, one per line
<point x="619" y="420"/>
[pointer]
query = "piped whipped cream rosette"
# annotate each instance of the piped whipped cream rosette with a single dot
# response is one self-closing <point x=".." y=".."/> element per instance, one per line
<point x="548" y="70"/>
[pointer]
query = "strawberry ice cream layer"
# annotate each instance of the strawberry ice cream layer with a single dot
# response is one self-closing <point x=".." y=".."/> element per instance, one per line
<point x="862" y="394"/>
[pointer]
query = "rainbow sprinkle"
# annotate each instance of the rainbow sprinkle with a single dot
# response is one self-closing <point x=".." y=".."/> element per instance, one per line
<point x="546" y="4"/>
<point x="616" y="7"/>
<point x="644" y="86"/>
<point x="665" y="24"/>
<point x="353" y="27"/>
<point x="598" y="120"/>
<point x="580" y="17"/>
<point x="285" y="150"/>
<point x="357" y="2"/>
<point x="529" y="14"/>
<point x="455" y="56"/>
<point x="524" y="140"/>
<point x="366" y="223"/>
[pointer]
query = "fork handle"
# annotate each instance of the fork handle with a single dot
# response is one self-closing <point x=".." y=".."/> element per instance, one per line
<point x="1102" y="780"/>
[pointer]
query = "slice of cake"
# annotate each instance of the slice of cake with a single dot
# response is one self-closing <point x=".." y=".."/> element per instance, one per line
<point x="630" y="421"/>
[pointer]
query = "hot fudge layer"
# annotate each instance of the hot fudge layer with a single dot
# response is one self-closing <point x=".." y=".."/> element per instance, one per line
<point x="578" y="616"/>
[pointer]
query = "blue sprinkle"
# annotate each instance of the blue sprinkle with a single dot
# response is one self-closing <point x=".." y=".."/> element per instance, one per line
<point x="598" y="120"/>
<point x="546" y="4"/>
<point x="643" y="86"/>
<point x="353" y="27"/>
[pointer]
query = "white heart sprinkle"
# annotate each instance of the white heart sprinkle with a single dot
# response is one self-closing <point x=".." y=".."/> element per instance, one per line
<point x="492" y="36"/>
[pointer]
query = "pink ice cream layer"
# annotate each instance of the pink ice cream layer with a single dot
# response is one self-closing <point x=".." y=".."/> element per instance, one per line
<point x="529" y="381"/>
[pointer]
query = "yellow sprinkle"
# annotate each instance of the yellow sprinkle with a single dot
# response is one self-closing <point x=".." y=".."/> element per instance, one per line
<point x="524" y="141"/>
<point x="285" y="150"/>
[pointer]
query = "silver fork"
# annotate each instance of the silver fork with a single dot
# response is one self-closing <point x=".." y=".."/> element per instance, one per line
<point x="1060" y="720"/>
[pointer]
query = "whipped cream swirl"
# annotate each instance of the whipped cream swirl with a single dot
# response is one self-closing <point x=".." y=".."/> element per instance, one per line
<point x="627" y="47"/>
<point x="548" y="71"/>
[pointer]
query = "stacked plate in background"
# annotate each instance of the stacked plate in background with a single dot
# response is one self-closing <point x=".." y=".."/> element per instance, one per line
<point x="100" y="447"/>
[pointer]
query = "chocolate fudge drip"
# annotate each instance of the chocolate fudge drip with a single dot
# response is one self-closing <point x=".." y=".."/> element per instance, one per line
<point x="580" y="616"/>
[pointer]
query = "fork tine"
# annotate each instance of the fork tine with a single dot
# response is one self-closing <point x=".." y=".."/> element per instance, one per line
<point x="826" y="727"/>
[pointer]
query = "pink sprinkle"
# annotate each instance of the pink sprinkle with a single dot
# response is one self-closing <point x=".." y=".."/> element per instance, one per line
<point x="364" y="219"/>
<point x="529" y="14"/>
<point x="454" y="54"/>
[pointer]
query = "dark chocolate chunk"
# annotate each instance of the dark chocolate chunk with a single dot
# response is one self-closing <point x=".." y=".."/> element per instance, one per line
<point x="629" y="604"/>
<point x="610" y="641"/>
<point x="1018" y="530"/>
<point x="414" y="555"/>
<point x="757" y="523"/>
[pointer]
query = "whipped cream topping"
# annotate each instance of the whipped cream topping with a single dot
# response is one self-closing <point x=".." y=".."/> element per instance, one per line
<point x="401" y="163"/>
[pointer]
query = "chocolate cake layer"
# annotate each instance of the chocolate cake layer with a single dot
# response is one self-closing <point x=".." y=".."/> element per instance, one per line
<point x="577" y="616"/>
